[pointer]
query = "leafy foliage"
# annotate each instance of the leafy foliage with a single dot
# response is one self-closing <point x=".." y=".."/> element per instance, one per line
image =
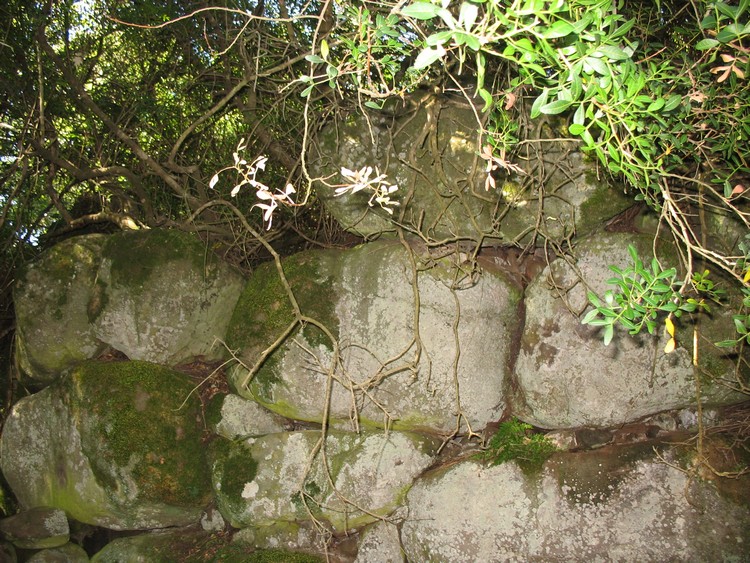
<point x="642" y="294"/>
<point x="513" y="442"/>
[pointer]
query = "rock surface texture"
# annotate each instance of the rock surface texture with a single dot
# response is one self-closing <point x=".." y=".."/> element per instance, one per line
<point x="154" y="295"/>
<point x="347" y="415"/>
<point x="601" y="386"/>
<point x="391" y="370"/>
<point x="113" y="445"/>
<point x="433" y="159"/>
<point x="583" y="507"/>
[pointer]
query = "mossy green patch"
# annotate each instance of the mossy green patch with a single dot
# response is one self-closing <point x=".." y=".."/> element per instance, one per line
<point x="135" y="256"/>
<point x="212" y="412"/>
<point x="514" y="441"/>
<point x="140" y="420"/>
<point x="234" y="468"/>
<point x="264" y="310"/>
<point x="278" y="556"/>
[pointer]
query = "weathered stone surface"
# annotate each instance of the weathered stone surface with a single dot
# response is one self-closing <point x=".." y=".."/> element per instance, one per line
<point x="191" y="546"/>
<point x="596" y="506"/>
<point x="36" y="528"/>
<point x="165" y="297"/>
<point x="68" y="553"/>
<point x="299" y="536"/>
<point x="154" y="295"/>
<point x="430" y="151"/>
<point x="113" y="445"/>
<point x="566" y="377"/>
<point x="380" y="543"/>
<point x="366" y="299"/>
<point x="233" y="417"/>
<point x="51" y="297"/>
<point x="257" y="482"/>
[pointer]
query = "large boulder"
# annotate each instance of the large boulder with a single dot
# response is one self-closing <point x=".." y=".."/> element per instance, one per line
<point x="51" y="299"/>
<point x="564" y="375"/>
<point x="154" y="295"/>
<point x="261" y="481"/>
<point x="389" y="369"/>
<point x="192" y="546"/>
<point x="36" y="528"/>
<point x="429" y="148"/>
<point x="116" y="445"/>
<point x="604" y="505"/>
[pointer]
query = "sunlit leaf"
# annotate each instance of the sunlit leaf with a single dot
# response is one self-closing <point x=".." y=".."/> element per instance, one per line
<point x="428" y="56"/>
<point x="556" y="107"/>
<point x="421" y="10"/>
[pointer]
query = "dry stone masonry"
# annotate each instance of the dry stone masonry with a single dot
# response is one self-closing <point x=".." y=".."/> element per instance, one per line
<point x="353" y="434"/>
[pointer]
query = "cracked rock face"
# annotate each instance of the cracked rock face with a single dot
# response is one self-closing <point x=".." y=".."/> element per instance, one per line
<point x="366" y="297"/>
<point x="566" y="378"/>
<point x="592" y="506"/>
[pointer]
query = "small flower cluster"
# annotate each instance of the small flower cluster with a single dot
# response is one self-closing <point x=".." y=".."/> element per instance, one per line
<point x="248" y="171"/>
<point x="359" y="180"/>
<point x="494" y="163"/>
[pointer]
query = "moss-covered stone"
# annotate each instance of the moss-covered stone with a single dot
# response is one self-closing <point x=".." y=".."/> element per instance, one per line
<point x="52" y="297"/>
<point x="192" y="546"/>
<point x="113" y="444"/>
<point x="136" y="256"/>
<point x="120" y="400"/>
<point x="430" y="151"/>
<point x="257" y="481"/>
<point x="366" y="297"/>
<point x="264" y="311"/>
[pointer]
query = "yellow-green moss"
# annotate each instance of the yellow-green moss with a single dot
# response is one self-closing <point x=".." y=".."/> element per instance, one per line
<point x="264" y="311"/>
<point x="234" y="467"/>
<point x="133" y="418"/>
<point x="135" y="256"/>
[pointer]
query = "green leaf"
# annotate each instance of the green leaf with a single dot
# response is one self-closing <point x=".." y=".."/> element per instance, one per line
<point x="592" y="65"/>
<point x="556" y="107"/>
<point x="612" y="52"/>
<point x="705" y="44"/>
<point x="656" y="105"/>
<point x="633" y="253"/>
<point x="673" y="102"/>
<point x="467" y="39"/>
<point x="467" y="15"/>
<point x="429" y="56"/>
<point x="488" y="99"/>
<point x="740" y="326"/>
<point x="590" y="317"/>
<point x="315" y="59"/>
<point x="560" y="28"/>
<point x="538" y="103"/>
<point x="579" y="116"/>
<point x="421" y="10"/>
<point x="439" y="38"/>
<point x="576" y="129"/>
<point x="374" y="105"/>
<point x="726" y="343"/>
<point x="593" y="298"/>
<point x="609" y="332"/>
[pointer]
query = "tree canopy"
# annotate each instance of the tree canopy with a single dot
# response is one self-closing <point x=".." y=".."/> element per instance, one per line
<point x="143" y="114"/>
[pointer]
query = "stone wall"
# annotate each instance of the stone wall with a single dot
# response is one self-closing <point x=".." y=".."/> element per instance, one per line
<point x="153" y="411"/>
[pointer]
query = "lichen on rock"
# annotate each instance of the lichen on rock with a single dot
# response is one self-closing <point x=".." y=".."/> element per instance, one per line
<point x="113" y="444"/>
